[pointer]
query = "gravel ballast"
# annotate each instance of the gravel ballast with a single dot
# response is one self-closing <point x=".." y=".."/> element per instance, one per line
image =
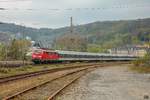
<point x="109" y="83"/>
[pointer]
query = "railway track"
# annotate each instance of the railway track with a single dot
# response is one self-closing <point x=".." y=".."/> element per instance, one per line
<point x="74" y="73"/>
<point x="53" y="95"/>
<point x="14" y="63"/>
<point x="31" y="74"/>
<point x="71" y="70"/>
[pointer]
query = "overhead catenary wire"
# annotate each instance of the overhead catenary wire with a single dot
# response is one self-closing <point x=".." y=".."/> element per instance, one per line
<point x="79" y="9"/>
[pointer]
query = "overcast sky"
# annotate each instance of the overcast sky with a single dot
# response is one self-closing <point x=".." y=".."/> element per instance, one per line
<point x="56" y="13"/>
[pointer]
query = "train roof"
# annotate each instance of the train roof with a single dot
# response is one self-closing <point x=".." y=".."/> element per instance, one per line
<point x="47" y="50"/>
<point x="75" y="52"/>
<point x="88" y="53"/>
<point x="83" y="53"/>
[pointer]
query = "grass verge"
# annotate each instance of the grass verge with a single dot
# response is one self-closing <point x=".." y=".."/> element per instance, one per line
<point x="4" y="72"/>
<point x="140" y="69"/>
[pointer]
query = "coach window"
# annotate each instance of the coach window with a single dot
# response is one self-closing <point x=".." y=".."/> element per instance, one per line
<point x="68" y="56"/>
<point x="62" y="55"/>
<point x="65" y="55"/>
<point x="46" y="52"/>
<point x="51" y="53"/>
<point x="76" y="56"/>
<point x="85" y="56"/>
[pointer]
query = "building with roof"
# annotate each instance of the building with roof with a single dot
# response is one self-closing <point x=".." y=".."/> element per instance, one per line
<point x="136" y="50"/>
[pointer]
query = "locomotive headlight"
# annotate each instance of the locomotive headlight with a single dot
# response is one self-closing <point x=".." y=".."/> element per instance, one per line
<point x="39" y="56"/>
<point x="33" y="56"/>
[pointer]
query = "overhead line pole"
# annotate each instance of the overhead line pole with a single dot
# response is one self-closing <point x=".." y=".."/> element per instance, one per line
<point x="71" y="25"/>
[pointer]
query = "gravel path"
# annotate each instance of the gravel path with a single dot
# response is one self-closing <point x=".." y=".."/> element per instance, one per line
<point x="109" y="83"/>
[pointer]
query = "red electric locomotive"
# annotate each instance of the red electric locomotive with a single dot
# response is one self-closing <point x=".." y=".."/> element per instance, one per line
<point x="44" y="56"/>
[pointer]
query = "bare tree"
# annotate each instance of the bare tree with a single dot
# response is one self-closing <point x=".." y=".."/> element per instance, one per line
<point x="71" y="42"/>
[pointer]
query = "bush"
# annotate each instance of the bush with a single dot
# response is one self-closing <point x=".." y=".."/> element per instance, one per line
<point x="2" y="52"/>
<point x="145" y="61"/>
<point x="4" y="70"/>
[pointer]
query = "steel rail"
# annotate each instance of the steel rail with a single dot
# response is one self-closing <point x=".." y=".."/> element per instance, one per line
<point x="31" y="74"/>
<point x="29" y="89"/>
<point x="83" y="67"/>
<point x="64" y="86"/>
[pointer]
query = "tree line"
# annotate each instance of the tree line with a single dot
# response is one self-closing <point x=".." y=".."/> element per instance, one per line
<point x="15" y="50"/>
<point x="143" y="61"/>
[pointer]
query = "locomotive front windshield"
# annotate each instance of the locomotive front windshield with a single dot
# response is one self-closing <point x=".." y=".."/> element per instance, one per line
<point x="37" y="51"/>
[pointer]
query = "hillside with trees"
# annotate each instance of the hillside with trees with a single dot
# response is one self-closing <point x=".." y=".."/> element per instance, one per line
<point x="4" y="37"/>
<point x="106" y="34"/>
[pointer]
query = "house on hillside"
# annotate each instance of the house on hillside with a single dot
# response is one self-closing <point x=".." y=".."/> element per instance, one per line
<point x="137" y="50"/>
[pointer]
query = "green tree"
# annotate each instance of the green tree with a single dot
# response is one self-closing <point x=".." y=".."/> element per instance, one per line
<point x="3" y="52"/>
<point x="96" y="48"/>
<point x="18" y="49"/>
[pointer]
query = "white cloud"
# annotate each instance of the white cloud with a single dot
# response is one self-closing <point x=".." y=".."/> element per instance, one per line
<point x="63" y="4"/>
<point x="42" y="16"/>
<point x="15" y="3"/>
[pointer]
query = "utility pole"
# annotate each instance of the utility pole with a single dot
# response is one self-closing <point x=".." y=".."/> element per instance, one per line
<point x="71" y="25"/>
